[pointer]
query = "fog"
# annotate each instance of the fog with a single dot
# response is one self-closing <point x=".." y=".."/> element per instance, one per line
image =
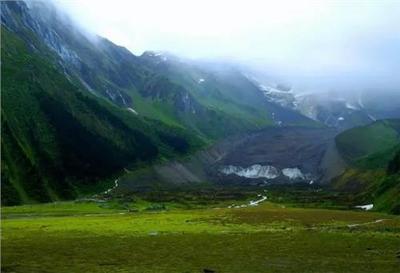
<point x="315" y="44"/>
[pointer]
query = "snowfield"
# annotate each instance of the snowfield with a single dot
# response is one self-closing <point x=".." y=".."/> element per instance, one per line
<point x="293" y="173"/>
<point x="254" y="171"/>
<point x="260" y="171"/>
<point x="366" y="207"/>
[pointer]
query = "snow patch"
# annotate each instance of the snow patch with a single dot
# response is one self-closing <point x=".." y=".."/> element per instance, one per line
<point x="277" y="122"/>
<point x="351" y="106"/>
<point x="366" y="207"/>
<point x="201" y="81"/>
<point x="254" y="171"/>
<point x="132" y="110"/>
<point x="293" y="173"/>
<point x="340" y="118"/>
<point x="122" y="98"/>
<point x="372" y="117"/>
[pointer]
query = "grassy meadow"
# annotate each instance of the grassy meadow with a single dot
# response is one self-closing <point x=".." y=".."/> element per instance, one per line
<point x="145" y="237"/>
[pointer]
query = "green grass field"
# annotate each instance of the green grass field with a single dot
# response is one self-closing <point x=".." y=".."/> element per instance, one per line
<point x="92" y="237"/>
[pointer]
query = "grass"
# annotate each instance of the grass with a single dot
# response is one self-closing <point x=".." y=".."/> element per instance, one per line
<point x="55" y="209"/>
<point x="373" y="172"/>
<point x="98" y="237"/>
<point x="360" y="142"/>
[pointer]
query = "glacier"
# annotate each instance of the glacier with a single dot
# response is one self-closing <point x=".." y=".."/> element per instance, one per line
<point x="253" y="171"/>
<point x="293" y="173"/>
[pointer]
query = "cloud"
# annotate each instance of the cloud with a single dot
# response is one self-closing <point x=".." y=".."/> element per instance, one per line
<point x="350" y="42"/>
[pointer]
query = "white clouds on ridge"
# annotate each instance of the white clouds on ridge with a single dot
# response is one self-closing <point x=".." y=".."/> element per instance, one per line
<point x="334" y="40"/>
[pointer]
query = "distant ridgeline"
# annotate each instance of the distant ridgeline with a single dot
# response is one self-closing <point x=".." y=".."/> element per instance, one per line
<point x="77" y="108"/>
<point x="373" y="155"/>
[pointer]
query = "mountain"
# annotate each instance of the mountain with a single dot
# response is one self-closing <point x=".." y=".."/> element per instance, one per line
<point x="110" y="71"/>
<point x="58" y="139"/>
<point x="141" y="84"/>
<point x="372" y="153"/>
<point x="339" y="109"/>
<point x="225" y="87"/>
<point x="77" y="109"/>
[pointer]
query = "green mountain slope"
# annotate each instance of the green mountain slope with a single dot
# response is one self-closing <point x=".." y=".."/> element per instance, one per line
<point x="128" y="81"/>
<point x="373" y="153"/>
<point x="360" y="142"/>
<point x="77" y="109"/>
<point x="224" y="88"/>
<point x="57" y="139"/>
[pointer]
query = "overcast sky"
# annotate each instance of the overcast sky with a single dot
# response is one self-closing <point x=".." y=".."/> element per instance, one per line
<point x="332" y="41"/>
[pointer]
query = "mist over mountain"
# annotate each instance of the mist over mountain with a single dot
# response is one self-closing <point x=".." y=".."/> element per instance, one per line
<point x="317" y="45"/>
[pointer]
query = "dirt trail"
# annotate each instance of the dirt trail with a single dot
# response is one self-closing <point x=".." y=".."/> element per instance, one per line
<point x="367" y="223"/>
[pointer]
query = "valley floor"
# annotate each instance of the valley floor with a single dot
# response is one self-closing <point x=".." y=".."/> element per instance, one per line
<point x="88" y="237"/>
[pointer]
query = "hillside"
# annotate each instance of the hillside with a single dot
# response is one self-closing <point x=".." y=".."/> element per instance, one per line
<point x="224" y="87"/>
<point x="58" y="139"/>
<point x="160" y="87"/>
<point x="77" y="109"/>
<point x="112" y="72"/>
<point x="372" y="153"/>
